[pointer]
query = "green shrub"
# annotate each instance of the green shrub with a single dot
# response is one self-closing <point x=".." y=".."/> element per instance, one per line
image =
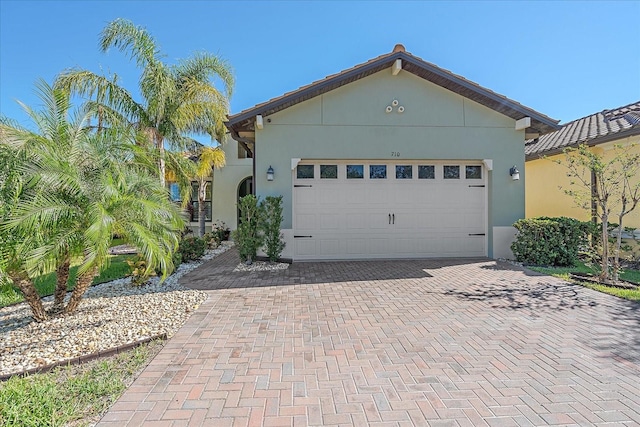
<point x="211" y="240"/>
<point x="192" y="248"/>
<point x="550" y="241"/>
<point x="248" y="237"/>
<point x="220" y="231"/>
<point x="218" y="234"/>
<point x="139" y="272"/>
<point x="271" y="212"/>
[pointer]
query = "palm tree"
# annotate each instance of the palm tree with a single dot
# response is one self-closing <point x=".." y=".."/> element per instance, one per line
<point x="208" y="158"/>
<point x="177" y="100"/>
<point x="79" y="188"/>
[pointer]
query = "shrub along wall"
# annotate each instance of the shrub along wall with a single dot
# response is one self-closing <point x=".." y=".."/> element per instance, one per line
<point x="550" y="241"/>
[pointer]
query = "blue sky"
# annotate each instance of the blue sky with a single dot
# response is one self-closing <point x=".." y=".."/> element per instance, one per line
<point x="564" y="59"/>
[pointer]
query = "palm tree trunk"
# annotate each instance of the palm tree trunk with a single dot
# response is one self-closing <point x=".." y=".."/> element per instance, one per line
<point x="202" y="195"/>
<point x="161" y="162"/>
<point x="82" y="284"/>
<point x="30" y="293"/>
<point x="62" y="277"/>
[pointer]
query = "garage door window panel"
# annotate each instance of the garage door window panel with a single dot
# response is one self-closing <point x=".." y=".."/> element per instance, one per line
<point x="426" y="172"/>
<point x="404" y="172"/>
<point x="328" y="171"/>
<point x="377" y="171"/>
<point x="355" y="172"/>
<point x="451" y="172"/>
<point x="305" y="172"/>
<point x="473" y="172"/>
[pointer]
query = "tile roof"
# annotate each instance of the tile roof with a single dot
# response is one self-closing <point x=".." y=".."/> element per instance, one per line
<point x="598" y="128"/>
<point x="410" y="63"/>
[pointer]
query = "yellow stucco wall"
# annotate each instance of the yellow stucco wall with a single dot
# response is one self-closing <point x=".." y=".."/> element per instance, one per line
<point x="544" y="194"/>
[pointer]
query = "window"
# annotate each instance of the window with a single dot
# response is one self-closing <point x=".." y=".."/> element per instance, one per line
<point x="193" y="204"/>
<point x="195" y="214"/>
<point x="473" y="172"/>
<point x="451" y="172"/>
<point x="377" y="171"/>
<point x="404" y="172"/>
<point x="426" y="172"/>
<point x="174" y="192"/>
<point x="304" y="172"/>
<point x="355" y="171"/>
<point x="328" y="171"/>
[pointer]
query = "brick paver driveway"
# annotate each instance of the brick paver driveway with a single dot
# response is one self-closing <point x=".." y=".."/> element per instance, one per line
<point x="397" y="343"/>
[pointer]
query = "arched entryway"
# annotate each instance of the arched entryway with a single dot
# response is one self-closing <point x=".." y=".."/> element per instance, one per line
<point x="244" y="188"/>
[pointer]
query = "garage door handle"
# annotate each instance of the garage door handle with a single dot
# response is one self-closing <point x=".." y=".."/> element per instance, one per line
<point x="389" y="219"/>
<point x="477" y="234"/>
<point x="300" y="185"/>
<point x="297" y="237"/>
<point x="394" y="218"/>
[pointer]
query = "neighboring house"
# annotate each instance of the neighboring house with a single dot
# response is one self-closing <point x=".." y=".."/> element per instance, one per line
<point x="393" y="158"/>
<point x="601" y="131"/>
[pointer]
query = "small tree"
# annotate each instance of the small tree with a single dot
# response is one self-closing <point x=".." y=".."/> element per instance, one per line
<point x="613" y="191"/>
<point x="271" y="208"/>
<point x="208" y="159"/>
<point x="248" y="236"/>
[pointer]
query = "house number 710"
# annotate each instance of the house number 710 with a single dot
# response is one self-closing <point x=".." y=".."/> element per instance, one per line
<point x="395" y="154"/>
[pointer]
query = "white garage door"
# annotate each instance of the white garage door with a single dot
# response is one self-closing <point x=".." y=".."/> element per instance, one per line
<point x="382" y="209"/>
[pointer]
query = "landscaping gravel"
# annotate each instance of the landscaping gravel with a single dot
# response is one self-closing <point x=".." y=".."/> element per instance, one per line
<point x="111" y="315"/>
<point x="262" y="266"/>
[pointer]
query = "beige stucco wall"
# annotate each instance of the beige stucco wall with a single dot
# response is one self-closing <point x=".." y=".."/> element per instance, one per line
<point x="225" y="184"/>
<point x="351" y="123"/>
<point x="547" y="180"/>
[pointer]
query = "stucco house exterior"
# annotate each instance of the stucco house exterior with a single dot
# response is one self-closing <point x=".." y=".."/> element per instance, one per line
<point x="392" y="158"/>
<point x="600" y="131"/>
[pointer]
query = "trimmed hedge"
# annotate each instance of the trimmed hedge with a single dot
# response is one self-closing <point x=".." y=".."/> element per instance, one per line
<point x="271" y="208"/>
<point x="550" y="241"/>
<point x="247" y="236"/>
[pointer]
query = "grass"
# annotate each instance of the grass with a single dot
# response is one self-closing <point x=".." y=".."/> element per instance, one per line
<point x="76" y="395"/>
<point x="630" y="294"/>
<point x="117" y="242"/>
<point x="46" y="284"/>
<point x="628" y="275"/>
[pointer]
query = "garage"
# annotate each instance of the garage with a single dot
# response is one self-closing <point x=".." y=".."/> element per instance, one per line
<point x="355" y="209"/>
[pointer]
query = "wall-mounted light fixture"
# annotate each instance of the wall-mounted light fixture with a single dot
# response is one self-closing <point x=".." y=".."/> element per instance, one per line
<point x="270" y="174"/>
<point x="515" y="173"/>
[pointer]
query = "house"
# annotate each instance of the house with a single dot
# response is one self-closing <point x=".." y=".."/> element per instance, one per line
<point x="393" y="158"/>
<point x="546" y="179"/>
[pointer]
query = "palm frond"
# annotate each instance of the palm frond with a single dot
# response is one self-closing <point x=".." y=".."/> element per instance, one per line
<point x="203" y="67"/>
<point x="209" y="158"/>
<point x="128" y="38"/>
<point x="105" y="91"/>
